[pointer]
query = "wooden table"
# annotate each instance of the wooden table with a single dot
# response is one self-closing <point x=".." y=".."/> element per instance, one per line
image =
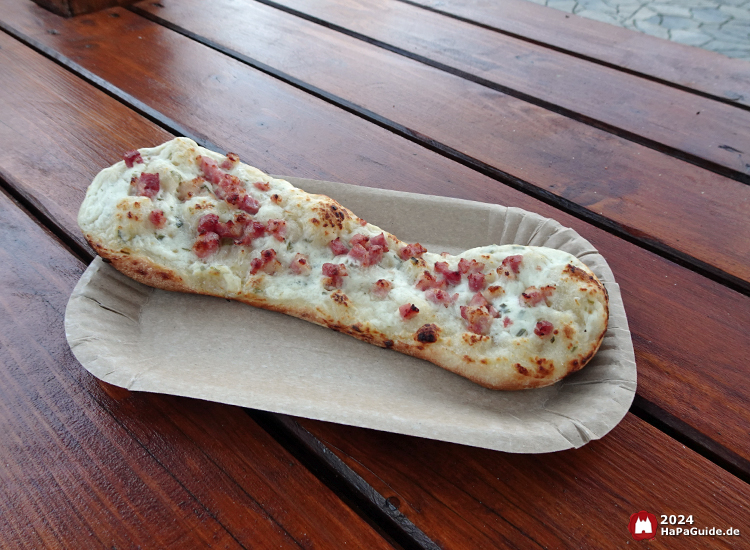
<point x="640" y="145"/>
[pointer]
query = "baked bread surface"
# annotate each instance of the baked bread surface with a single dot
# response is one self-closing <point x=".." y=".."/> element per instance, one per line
<point x="507" y="317"/>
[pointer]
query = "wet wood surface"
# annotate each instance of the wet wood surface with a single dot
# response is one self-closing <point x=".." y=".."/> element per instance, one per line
<point x="682" y="66"/>
<point x="72" y="99"/>
<point x="660" y="297"/>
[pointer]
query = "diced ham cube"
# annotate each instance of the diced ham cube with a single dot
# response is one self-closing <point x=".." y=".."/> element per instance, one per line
<point x="437" y="296"/>
<point x="427" y="280"/>
<point x="266" y="263"/>
<point x="230" y="162"/>
<point x="277" y="228"/>
<point x="534" y="296"/>
<point x="360" y="239"/>
<point x="300" y="265"/>
<point x="510" y="266"/>
<point x="358" y="252"/>
<point x="338" y="247"/>
<point x="131" y="158"/>
<point x="253" y="230"/>
<point x="248" y="204"/>
<point x="476" y="281"/>
<point x="473" y="266"/>
<point x="381" y="288"/>
<point x="333" y="275"/>
<point x="408" y="311"/>
<point x="208" y="223"/>
<point x="543" y="328"/>
<point x="262" y="185"/>
<point x="147" y="185"/>
<point x="206" y="244"/>
<point x="412" y="251"/>
<point x="478" y="318"/>
<point x="158" y="218"/>
<point x="380" y="241"/>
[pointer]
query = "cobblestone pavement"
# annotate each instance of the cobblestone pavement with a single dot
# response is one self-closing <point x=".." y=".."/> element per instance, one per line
<point x="718" y="25"/>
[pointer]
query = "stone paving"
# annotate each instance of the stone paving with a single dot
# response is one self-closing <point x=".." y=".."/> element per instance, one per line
<point x="718" y="25"/>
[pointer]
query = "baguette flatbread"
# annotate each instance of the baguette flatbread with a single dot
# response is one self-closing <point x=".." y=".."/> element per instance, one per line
<point x="180" y="217"/>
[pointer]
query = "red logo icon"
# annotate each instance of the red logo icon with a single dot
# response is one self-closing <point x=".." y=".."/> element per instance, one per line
<point x="643" y="525"/>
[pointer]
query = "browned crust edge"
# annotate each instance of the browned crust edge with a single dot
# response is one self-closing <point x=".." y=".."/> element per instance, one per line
<point x="147" y="272"/>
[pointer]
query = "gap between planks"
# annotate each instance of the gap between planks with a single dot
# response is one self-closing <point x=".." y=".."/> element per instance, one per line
<point x="602" y="222"/>
<point x="578" y="55"/>
<point x="679" y="154"/>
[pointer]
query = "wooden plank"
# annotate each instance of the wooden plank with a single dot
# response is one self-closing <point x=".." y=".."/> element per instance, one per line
<point x="284" y="130"/>
<point x="647" y="195"/>
<point x="463" y="497"/>
<point x="684" y="66"/>
<point x="69" y="8"/>
<point x="647" y="112"/>
<point x="84" y="467"/>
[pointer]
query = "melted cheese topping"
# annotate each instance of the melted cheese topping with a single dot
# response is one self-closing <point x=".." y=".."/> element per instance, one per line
<point x="117" y="218"/>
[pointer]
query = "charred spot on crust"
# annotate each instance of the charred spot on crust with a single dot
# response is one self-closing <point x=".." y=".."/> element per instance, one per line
<point x="428" y="333"/>
<point x="357" y="327"/>
<point x="315" y="221"/>
<point x="468" y="359"/>
<point x="276" y="198"/>
<point x="388" y="344"/>
<point x="106" y="260"/>
<point x="544" y="367"/>
<point x="471" y="338"/>
<point x="576" y="272"/>
<point x="521" y="370"/>
<point x="340" y="298"/>
<point x="332" y="214"/>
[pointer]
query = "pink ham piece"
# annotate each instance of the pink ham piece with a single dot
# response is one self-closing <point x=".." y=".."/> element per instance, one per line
<point x="438" y="296"/>
<point x="267" y="262"/>
<point x="253" y="230"/>
<point x="476" y="281"/>
<point x="380" y="241"/>
<point x="333" y="275"/>
<point x="231" y="161"/>
<point x="158" y="218"/>
<point x="381" y="288"/>
<point x="427" y="280"/>
<point x="131" y="158"/>
<point x="478" y="318"/>
<point x="338" y="247"/>
<point x="262" y="185"/>
<point x="412" y="251"/>
<point x="511" y="266"/>
<point x="147" y="185"/>
<point x="543" y="328"/>
<point x="206" y="244"/>
<point x="300" y="265"/>
<point x="227" y="187"/>
<point x="277" y="228"/>
<point x="451" y="277"/>
<point x="533" y="296"/>
<point x="358" y="252"/>
<point x="408" y="311"/>
<point x="479" y="300"/>
<point x="208" y="223"/>
<point x="473" y="266"/>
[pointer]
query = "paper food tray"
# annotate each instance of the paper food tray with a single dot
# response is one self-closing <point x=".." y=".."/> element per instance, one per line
<point x="143" y="339"/>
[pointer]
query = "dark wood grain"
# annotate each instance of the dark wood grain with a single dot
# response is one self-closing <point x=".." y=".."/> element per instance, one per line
<point x="463" y="497"/>
<point x="653" y="198"/>
<point x="647" y="112"/>
<point x="684" y="66"/>
<point x="87" y="466"/>
<point x="680" y="321"/>
<point x="647" y="195"/>
<point x="69" y="8"/>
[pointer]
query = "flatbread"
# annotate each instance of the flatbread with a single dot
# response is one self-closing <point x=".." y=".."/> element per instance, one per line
<point x="182" y="218"/>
